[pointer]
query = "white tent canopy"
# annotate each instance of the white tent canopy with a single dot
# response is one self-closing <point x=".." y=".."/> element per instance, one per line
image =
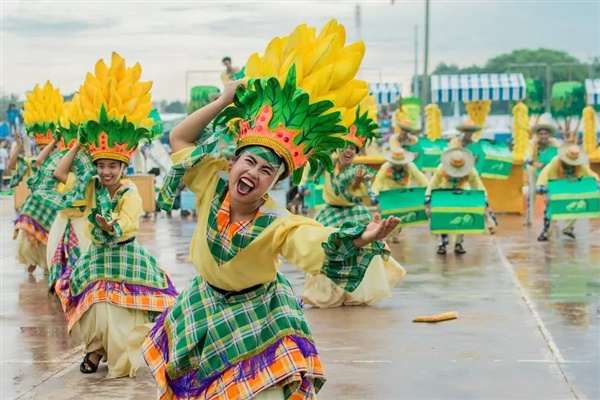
<point x="385" y="93"/>
<point x="592" y="89"/>
<point x="472" y="87"/>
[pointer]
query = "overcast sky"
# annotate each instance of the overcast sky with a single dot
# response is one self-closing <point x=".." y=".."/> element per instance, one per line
<point x="61" y="40"/>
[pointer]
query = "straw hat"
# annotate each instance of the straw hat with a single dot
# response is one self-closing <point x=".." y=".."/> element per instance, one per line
<point x="457" y="162"/>
<point x="399" y="156"/>
<point x="572" y="154"/>
<point x="468" y="126"/>
<point x="406" y="124"/>
<point x="546" y="124"/>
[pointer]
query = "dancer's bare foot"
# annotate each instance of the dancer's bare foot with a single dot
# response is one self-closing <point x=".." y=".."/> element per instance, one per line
<point x="31" y="269"/>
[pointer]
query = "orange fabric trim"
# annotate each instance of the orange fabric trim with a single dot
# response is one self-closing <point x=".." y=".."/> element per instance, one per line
<point x="288" y="368"/>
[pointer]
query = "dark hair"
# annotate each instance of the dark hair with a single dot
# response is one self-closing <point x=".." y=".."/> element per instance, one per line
<point x="226" y="59"/>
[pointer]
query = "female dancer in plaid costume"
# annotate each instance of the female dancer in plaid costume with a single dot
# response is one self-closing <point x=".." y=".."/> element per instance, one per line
<point x="343" y="192"/>
<point x="238" y="331"/>
<point x="115" y="288"/>
<point x="42" y="110"/>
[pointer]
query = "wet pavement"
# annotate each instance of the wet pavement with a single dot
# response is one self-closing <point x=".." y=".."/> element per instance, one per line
<point x="528" y="326"/>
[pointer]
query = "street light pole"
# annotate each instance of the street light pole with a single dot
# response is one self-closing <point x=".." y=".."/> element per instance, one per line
<point x="425" y="86"/>
<point x="416" y="74"/>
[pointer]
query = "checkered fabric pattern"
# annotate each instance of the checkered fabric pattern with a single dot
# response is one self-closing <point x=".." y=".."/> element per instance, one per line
<point x="300" y="376"/>
<point x="168" y="192"/>
<point x="41" y="214"/>
<point x="115" y="293"/>
<point x="344" y="264"/>
<point x="65" y="256"/>
<point x="341" y="181"/>
<point x="83" y="168"/>
<point x="105" y="206"/>
<point x="127" y="263"/>
<point x="336" y="216"/>
<point x="23" y="167"/>
<point x="45" y="172"/>
<point x="225" y="240"/>
<point x="209" y="332"/>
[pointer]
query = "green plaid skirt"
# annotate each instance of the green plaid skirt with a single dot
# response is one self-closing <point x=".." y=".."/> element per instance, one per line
<point x="334" y="216"/>
<point x="124" y="263"/>
<point x="209" y="331"/>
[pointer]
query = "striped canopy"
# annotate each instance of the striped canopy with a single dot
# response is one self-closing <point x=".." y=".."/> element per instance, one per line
<point x="592" y="89"/>
<point x="467" y="87"/>
<point x="385" y="93"/>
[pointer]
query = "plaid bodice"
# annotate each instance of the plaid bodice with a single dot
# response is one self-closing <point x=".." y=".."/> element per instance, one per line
<point x="226" y="239"/>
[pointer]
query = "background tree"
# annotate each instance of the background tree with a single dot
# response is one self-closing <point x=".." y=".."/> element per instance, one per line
<point x="504" y="63"/>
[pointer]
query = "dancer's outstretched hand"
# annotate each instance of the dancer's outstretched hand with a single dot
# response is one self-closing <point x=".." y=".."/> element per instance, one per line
<point x="377" y="230"/>
<point x="105" y="225"/>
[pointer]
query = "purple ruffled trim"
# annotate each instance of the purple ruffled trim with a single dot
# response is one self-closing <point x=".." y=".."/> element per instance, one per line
<point x="29" y="220"/>
<point x="189" y="385"/>
<point x="110" y="286"/>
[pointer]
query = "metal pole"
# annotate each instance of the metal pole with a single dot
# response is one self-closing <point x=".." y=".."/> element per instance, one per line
<point x="425" y="82"/>
<point x="548" y="87"/>
<point x="358" y="17"/>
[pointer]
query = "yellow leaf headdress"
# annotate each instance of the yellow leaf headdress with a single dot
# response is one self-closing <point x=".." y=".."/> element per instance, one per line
<point x="43" y="108"/>
<point x="301" y="96"/>
<point x="116" y="106"/>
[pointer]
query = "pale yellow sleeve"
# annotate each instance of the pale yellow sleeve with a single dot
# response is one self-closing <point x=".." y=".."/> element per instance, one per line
<point x="455" y="143"/>
<point x="68" y="185"/>
<point x="436" y="180"/>
<point x="549" y="171"/>
<point x="475" y="181"/>
<point x="299" y="240"/>
<point x="358" y="192"/>
<point x="419" y="177"/>
<point x="128" y="213"/>
<point x="377" y="185"/>
<point x="394" y="142"/>
<point x="587" y="171"/>
<point x="199" y="177"/>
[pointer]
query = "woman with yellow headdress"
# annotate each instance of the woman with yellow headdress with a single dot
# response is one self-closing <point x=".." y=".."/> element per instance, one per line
<point x="115" y="288"/>
<point x="42" y="110"/>
<point x="238" y="330"/>
<point x="343" y="192"/>
<point x="66" y="238"/>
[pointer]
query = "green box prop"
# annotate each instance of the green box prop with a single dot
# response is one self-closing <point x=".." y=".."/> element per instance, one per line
<point x="545" y="157"/>
<point x="428" y="153"/>
<point x="573" y="199"/>
<point x="494" y="160"/>
<point x="457" y="211"/>
<point x="407" y="204"/>
<point x="315" y="199"/>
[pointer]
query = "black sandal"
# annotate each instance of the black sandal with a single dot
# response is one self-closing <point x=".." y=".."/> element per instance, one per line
<point x="87" y="366"/>
<point x="441" y="250"/>
<point x="569" y="233"/>
<point x="542" y="238"/>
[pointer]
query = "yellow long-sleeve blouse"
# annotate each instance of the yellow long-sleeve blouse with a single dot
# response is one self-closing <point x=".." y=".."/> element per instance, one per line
<point x="127" y="211"/>
<point x="439" y="180"/>
<point x="297" y="239"/>
<point x="384" y="181"/>
<point x="553" y="171"/>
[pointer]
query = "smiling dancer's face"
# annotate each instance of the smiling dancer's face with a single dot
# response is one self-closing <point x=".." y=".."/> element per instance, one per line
<point x="251" y="177"/>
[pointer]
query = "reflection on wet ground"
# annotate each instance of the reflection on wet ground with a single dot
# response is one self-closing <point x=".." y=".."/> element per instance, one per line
<point x="528" y="326"/>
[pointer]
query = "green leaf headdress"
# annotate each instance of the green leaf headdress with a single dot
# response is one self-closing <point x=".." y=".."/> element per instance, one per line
<point x="301" y="97"/>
